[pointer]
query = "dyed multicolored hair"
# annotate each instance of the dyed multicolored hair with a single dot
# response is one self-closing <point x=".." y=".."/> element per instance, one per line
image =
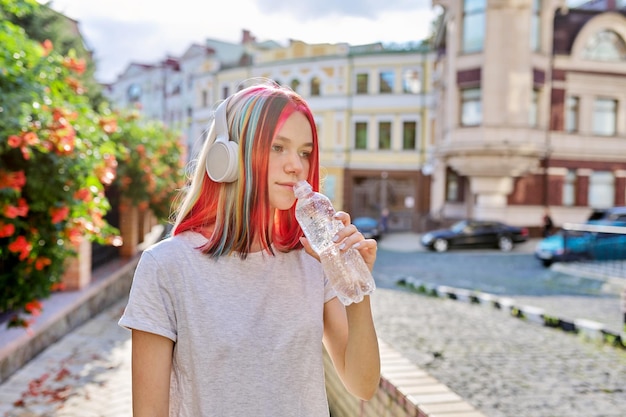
<point x="233" y="215"/>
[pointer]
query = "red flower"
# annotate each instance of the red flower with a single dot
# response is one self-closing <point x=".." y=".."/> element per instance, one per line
<point x="59" y="214"/>
<point x="14" y="141"/>
<point x="84" y="194"/>
<point x="76" y="65"/>
<point x="34" y="307"/>
<point x="15" y="180"/>
<point x="21" y="246"/>
<point x="47" y="47"/>
<point x="30" y="138"/>
<point x="108" y="124"/>
<point x="23" y="142"/>
<point x="6" y="229"/>
<point x="21" y="209"/>
<point x="42" y="262"/>
<point x="75" y="85"/>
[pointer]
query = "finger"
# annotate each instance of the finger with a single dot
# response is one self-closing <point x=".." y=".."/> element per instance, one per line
<point x="343" y="217"/>
<point x="307" y="248"/>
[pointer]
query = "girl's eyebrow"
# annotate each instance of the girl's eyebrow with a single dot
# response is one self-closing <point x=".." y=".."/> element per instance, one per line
<point x="286" y="139"/>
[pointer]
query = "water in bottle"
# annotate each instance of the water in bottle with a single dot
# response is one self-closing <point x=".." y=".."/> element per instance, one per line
<point x="347" y="271"/>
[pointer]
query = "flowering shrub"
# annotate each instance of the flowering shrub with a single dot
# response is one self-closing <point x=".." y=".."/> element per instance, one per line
<point x="55" y="158"/>
<point x="150" y="169"/>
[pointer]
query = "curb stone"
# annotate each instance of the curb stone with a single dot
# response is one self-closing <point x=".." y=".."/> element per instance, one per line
<point x="587" y="329"/>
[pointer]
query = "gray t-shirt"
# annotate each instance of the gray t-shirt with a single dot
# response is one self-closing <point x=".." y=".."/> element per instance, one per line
<point x="247" y="333"/>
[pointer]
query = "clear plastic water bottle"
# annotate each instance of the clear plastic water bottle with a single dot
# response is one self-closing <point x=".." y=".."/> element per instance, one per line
<point x="347" y="271"/>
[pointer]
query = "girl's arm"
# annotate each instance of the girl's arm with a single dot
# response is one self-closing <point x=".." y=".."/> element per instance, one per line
<point x="349" y="333"/>
<point x="151" y="368"/>
<point x="351" y="342"/>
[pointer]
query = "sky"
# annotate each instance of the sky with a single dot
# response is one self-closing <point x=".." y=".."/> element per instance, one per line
<point x="147" y="31"/>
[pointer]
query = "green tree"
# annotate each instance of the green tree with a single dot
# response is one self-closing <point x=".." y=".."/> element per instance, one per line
<point x="55" y="159"/>
<point x="44" y="23"/>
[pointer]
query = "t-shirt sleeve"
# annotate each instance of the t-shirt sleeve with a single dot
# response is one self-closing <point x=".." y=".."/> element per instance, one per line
<point x="150" y="305"/>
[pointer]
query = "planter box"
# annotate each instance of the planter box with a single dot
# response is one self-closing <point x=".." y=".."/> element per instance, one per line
<point x="129" y="228"/>
<point x="77" y="273"/>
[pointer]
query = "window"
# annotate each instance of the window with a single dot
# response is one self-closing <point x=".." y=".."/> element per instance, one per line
<point x="360" y="135"/>
<point x="454" y="190"/>
<point x="471" y="107"/>
<point x="571" y="114"/>
<point x="362" y="80"/>
<point x="384" y="135"/>
<point x="134" y="93"/>
<point x="569" y="188"/>
<point x="533" y="112"/>
<point x="601" y="189"/>
<point x="605" y="45"/>
<point x="411" y="82"/>
<point x="205" y="98"/>
<point x="315" y="86"/>
<point x="409" y="135"/>
<point x="604" y="116"/>
<point x="386" y="82"/>
<point x="535" y="26"/>
<point x="473" y="25"/>
<point x="294" y="84"/>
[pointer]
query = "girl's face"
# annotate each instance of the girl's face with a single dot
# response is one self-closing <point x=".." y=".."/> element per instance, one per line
<point x="289" y="160"/>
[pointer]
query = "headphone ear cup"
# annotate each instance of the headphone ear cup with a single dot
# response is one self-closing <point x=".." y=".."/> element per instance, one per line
<point x="222" y="161"/>
<point x="222" y="158"/>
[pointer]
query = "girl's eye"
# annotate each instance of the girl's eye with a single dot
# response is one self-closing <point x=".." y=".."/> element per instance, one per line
<point x="305" y="154"/>
<point x="277" y="148"/>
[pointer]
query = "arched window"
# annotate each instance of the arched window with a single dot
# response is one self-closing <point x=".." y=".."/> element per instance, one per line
<point x="295" y="83"/>
<point x="605" y="45"/>
<point x="315" y="86"/>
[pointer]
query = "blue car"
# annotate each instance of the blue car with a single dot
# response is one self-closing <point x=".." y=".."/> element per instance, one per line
<point x="603" y="237"/>
<point x="368" y="226"/>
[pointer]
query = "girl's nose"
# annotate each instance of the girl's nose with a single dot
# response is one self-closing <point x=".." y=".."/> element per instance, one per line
<point x="293" y="164"/>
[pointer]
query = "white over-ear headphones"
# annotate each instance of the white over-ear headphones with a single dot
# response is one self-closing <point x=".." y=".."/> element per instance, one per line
<point x="222" y="158"/>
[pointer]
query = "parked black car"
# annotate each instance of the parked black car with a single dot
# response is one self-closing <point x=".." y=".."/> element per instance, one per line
<point x="475" y="233"/>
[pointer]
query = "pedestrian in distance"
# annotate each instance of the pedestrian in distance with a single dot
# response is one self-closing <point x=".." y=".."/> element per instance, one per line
<point x="231" y="313"/>
<point x="548" y="224"/>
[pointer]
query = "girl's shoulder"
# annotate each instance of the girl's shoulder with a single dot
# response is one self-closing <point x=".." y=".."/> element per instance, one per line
<point x="175" y="245"/>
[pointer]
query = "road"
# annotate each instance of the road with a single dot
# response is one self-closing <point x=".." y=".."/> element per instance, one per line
<point x="515" y="274"/>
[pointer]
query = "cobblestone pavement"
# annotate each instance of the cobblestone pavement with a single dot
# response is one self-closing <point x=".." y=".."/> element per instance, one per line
<point x="85" y="374"/>
<point x="501" y="365"/>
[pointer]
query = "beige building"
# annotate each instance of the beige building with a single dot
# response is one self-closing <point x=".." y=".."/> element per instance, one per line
<point x="372" y="103"/>
<point x="531" y="109"/>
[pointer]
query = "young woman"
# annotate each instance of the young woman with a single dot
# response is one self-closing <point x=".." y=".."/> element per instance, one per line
<point x="229" y="316"/>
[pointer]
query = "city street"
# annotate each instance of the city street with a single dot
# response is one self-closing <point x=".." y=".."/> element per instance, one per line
<point x="515" y="274"/>
<point x="501" y="365"/>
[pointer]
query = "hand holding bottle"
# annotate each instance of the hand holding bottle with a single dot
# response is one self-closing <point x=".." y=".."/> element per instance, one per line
<point x="349" y="237"/>
<point x="346" y="257"/>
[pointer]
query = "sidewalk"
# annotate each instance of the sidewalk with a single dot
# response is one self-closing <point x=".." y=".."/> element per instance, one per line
<point x="501" y="365"/>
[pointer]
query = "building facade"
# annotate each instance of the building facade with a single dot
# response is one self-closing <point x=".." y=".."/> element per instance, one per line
<point x="372" y="103"/>
<point x="531" y="109"/>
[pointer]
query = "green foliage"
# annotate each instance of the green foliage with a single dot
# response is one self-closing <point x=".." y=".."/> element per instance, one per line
<point x="58" y="153"/>
<point x="55" y="159"/>
<point x="43" y="23"/>
<point x="150" y="170"/>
